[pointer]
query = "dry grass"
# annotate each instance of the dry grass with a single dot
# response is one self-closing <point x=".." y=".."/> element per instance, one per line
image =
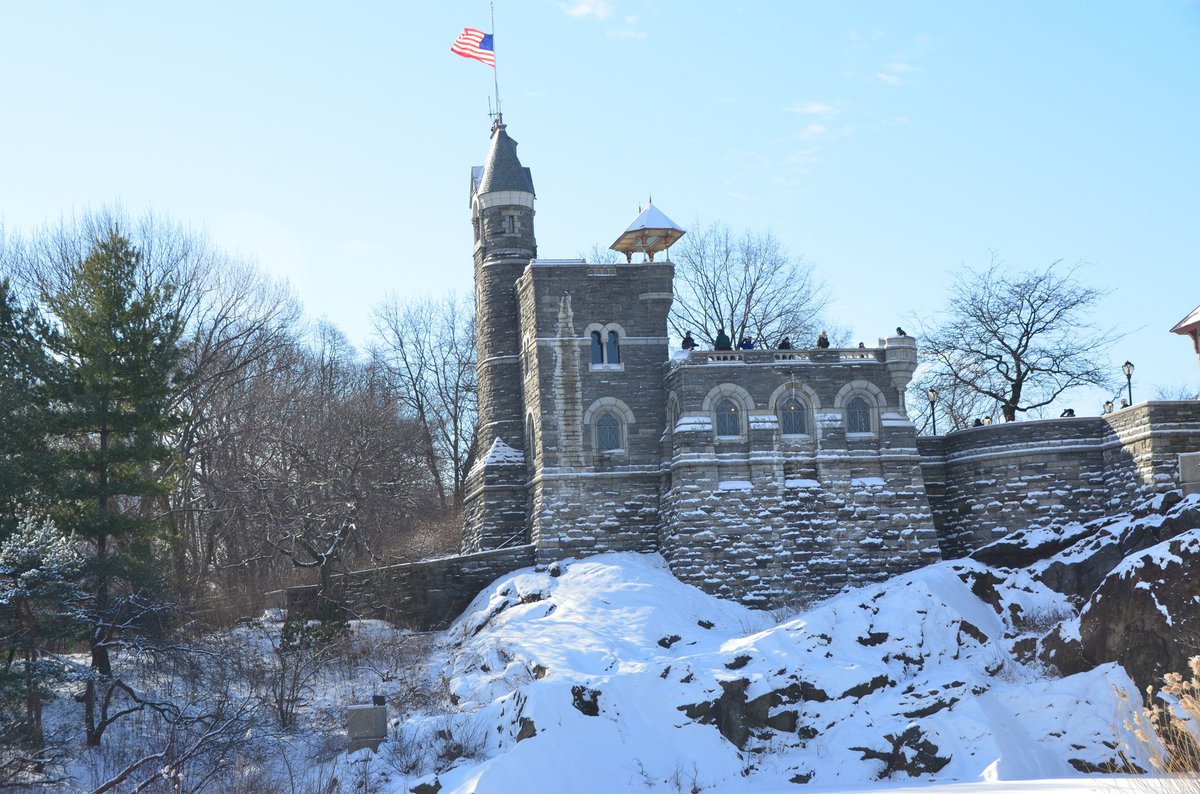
<point x="1167" y="732"/>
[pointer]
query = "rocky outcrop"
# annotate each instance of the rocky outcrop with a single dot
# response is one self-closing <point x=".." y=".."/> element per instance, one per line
<point x="1146" y="613"/>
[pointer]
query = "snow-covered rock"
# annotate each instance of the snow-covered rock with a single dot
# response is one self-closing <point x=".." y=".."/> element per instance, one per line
<point x="614" y="676"/>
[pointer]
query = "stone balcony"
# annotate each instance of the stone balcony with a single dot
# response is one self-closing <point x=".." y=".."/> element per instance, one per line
<point x="818" y="355"/>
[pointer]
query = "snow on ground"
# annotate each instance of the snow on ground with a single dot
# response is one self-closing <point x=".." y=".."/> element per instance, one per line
<point x="614" y="676"/>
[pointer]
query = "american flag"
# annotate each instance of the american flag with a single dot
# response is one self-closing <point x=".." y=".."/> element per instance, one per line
<point x="475" y="44"/>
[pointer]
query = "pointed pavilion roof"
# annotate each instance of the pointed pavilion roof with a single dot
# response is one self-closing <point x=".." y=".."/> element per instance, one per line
<point x="503" y="170"/>
<point x="650" y="232"/>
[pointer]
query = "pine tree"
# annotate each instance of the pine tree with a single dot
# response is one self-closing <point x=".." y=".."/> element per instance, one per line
<point x="23" y="366"/>
<point x="116" y="345"/>
<point x="39" y="603"/>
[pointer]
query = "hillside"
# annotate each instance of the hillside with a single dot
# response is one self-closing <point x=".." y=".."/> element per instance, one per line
<point x="606" y="674"/>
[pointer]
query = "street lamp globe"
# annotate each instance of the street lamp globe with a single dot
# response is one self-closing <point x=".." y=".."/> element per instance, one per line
<point x="1127" y="368"/>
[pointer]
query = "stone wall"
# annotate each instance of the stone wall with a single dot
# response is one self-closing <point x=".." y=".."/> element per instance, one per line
<point x="592" y="512"/>
<point x="421" y="596"/>
<point x="986" y="481"/>
<point x="585" y="500"/>
<point x="796" y="541"/>
<point x="768" y="518"/>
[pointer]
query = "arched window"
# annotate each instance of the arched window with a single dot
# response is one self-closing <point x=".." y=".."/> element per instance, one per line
<point x="608" y="432"/>
<point x="858" y="416"/>
<point x="729" y="420"/>
<point x="597" y="348"/>
<point x="614" y="348"/>
<point x="793" y="417"/>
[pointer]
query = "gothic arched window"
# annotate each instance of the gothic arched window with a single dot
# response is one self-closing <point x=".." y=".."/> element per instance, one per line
<point x="614" y="348"/>
<point x="729" y="420"/>
<point x="608" y="432"/>
<point x="597" y="348"/>
<point x="793" y="417"/>
<point x="858" y="416"/>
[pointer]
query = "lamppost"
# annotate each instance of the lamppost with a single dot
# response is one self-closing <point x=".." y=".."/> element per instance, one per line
<point x="932" y="394"/>
<point x="1127" y="368"/>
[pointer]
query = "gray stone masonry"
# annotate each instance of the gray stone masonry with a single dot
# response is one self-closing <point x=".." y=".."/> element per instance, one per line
<point x="769" y="518"/>
<point x="986" y="481"/>
<point x="421" y="596"/>
<point x="587" y="500"/>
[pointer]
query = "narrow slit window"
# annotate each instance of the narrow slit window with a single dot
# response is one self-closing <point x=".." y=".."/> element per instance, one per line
<point x="597" y="348"/>
<point x="614" y="348"/>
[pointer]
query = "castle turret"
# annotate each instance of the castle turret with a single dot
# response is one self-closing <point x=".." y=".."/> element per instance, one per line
<point x="502" y="217"/>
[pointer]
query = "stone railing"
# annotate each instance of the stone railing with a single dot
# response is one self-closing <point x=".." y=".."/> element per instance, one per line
<point x="764" y="356"/>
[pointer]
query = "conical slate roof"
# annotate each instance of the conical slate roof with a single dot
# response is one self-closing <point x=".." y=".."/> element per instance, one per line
<point x="503" y="171"/>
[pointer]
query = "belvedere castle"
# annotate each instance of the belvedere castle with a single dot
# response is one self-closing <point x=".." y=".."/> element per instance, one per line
<point x="765" y="476"/>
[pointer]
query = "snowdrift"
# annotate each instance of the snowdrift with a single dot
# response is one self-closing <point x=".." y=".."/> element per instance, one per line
<point x="607" y="674"/>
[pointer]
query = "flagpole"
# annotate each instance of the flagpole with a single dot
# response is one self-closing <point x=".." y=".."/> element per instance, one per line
<point x="495" y="70"/>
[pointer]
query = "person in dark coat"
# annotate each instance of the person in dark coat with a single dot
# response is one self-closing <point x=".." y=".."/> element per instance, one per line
<point x="900" y="331"/>
<point x="722" y="341"/>
<point x="822" y="340"/>
<point x="688" y="342"/>
<point x="785" y="344"/>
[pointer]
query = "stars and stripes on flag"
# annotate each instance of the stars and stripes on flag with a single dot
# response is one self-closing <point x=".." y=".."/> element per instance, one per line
<point x="475" y="44"/>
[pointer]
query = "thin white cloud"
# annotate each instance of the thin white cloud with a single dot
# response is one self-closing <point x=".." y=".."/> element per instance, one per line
<point x="580" y="9"/>
<point x="890" y="79"/>
<point x="900" y="67"/>
<point x="815" y="130"/>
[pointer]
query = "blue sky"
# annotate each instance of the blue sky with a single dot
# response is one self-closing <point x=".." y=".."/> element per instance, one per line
<point x="887" y="142"/>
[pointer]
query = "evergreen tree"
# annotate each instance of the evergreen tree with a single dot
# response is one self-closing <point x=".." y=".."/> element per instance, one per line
<point x="39" y="603"/>
<point x="116" y="344"/>
<point x="23" y="366"/>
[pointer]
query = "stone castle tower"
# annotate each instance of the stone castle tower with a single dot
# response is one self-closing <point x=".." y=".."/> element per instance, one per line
<point x="502" y="219"/>
<point x="756" y="474"/>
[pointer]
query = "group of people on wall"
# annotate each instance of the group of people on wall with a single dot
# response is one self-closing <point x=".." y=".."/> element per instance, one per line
<point x="722" y="342"/>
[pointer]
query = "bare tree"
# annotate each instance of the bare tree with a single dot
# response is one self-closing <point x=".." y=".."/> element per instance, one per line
<point x="336" y="468"/>
<point x="957" y="404"/>
<point x="601" y="255"/>
<point x="748" y="284"/>
<point x="428" y="347"/>
<point x="1019" y="340"/>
